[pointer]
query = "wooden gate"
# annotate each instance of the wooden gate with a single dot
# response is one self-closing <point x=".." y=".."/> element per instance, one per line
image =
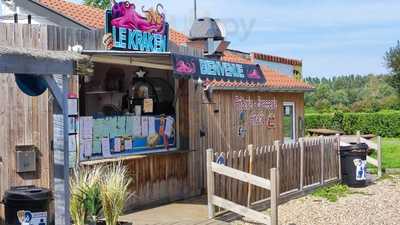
<point x="213" y="200"/>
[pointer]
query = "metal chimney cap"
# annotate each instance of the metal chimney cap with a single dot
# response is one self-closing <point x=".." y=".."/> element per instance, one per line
<point x="204" y="28"/>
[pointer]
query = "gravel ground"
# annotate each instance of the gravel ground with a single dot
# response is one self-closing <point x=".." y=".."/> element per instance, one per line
<point x="377" y="204"/>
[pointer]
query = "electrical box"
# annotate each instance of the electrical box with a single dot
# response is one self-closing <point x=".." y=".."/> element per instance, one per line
<point x="26" y="158"/>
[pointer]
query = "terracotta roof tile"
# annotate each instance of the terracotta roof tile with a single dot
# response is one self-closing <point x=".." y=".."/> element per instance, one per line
<point x="276" y="59"/>
<point x="86" y="15"/>
<point x="94" y="18"/>
<point x="275" y="80"/>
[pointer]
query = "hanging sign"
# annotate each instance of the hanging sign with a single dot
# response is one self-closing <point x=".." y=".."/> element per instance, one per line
<point x="194" y="67"/>
<point x="126" y="29"/>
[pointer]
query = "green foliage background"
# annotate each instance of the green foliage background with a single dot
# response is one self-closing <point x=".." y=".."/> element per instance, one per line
<point x="385" y="123"/>
<point x="352" y="93"/>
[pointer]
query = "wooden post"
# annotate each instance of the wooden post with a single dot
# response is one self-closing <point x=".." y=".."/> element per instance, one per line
<point x="274" y="196"/>
<point x="339" y="163"/>
<point x="322" y="143"/>
<point x="251" y="152"/>
<point x="358" y="137"/>
<point x="210" y="183"/>
<point x="301" y="140"/>
<point x="379" y="155"/>
<point x="278" y="153"/>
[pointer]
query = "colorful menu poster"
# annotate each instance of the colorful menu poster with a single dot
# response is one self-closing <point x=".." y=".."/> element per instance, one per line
<point x="105" y="147"/>
<point x="137" y="128"/>
<point x="86" y="127"/>
<point x="169" y="126"/>
<point x="148" y="105"/>
<point x="145" y="126"/>
<point x="86" y="148"/>
<point x="128" y="144"/>
<point x="152" y="125"/>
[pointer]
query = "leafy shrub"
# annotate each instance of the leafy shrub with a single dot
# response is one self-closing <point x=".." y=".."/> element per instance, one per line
<point x="385" y="123"/>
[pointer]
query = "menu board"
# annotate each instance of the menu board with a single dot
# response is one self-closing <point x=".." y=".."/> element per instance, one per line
<point x="123" y="135"/>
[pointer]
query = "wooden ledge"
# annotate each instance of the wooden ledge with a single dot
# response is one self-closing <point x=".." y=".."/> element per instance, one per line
<point x="132" y="157"/>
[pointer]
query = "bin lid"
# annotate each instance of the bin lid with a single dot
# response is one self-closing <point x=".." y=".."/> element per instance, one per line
<point x="26" y="193"/>
<point x="355" y="147"/>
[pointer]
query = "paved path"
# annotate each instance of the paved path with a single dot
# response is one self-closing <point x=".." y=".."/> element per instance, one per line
<point x="188" y="212"/>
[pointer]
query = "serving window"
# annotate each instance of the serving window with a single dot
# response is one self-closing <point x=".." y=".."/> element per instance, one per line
<point x="126" y="110"/>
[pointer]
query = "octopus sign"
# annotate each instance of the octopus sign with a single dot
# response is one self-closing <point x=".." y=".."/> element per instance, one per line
<point x="126" y="29"/>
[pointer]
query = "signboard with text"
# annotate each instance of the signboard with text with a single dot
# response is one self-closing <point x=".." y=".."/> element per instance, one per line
<point x="194" y="67"/>
<point x="126" y="29"/>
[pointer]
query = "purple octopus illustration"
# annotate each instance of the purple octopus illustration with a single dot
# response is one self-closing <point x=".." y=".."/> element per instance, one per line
<point x="187" y="68"/>
<point x="253" y="74"/>
<point x="124" y="15"/>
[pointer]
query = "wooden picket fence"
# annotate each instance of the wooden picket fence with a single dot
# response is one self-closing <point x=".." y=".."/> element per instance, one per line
<point x="269" y="185"/>
<point x="304" y="165"/>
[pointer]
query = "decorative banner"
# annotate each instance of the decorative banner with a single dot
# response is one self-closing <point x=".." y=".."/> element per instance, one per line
<point x="194" y="67"/>
<point x="126" y="29"/>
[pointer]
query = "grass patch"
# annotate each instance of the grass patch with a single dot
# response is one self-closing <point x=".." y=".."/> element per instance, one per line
<point x="332" y="193"/>
<point x="390" y="153"/>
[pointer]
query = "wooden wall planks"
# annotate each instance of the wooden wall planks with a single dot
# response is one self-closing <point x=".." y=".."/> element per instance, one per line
<point x="24" y="120"/>
<point x="221" y="120"/>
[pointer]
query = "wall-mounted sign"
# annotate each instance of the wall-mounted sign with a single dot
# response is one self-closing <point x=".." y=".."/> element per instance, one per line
<point x="194" y="67"/>
<point x="126" y="29"/>
<point x="256" y="112"/>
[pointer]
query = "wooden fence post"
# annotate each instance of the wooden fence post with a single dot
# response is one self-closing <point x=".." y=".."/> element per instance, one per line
<point x="322" y="143"/>
<point x="338" y="150"/>
<point x="358" y="137"/>
<point x="278" y="154"/>
<point x="274" y="196"/>
<point x="301" y="140"/>
<point x="379" y="156"/>
<point x="210" y="183"/>
<point x="250" y="148"/>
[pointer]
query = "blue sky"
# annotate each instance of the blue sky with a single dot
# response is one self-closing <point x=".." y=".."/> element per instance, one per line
<point x="332" y="37"/>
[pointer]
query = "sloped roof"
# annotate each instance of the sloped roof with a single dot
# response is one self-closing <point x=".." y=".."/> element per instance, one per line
<point x="94" y="18"/>
<point x="275" y="82"/>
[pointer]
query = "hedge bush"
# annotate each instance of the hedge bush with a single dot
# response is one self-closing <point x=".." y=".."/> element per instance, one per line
<point x="385" y="124"/>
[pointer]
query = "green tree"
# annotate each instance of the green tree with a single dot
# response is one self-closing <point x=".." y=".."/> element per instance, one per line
<point x="392" y="59"/>
<point x="102" y="4"/>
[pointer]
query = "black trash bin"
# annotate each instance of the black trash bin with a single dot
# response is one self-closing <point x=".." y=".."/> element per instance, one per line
<point x="27" y="205"/>
<point x="353" y="159"/>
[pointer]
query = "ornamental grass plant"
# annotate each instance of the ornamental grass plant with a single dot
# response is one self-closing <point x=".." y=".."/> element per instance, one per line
<point x="85" y="202"/>
<point x="114" y="192"/>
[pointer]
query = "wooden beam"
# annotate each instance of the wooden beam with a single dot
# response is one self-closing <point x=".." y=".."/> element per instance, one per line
<point x="379" y="155"/>
<point x="10" y="63"/>
<point x="372" y="161"/>
<point x="301" y="140"/>
<point x="274" y="197"/>
<point x="130" y="61"/>
<point x="55" y="90"/>
<point x="277" y="144"/>
<point x="240" y="175"/>
<point x="241" y="210"/>
<point x="250" y="148"/>
<point x="322" y="143"/>
<point x="210" y="183"/>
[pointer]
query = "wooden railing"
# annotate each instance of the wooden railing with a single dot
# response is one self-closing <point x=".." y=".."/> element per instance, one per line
<point x="376" y="146"/>
<point x="214" y="200"/>
<point x="303" y="165"/>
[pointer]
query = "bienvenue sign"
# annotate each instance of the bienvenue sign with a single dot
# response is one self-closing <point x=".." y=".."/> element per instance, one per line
<point x="188" y="66"/>
<point x="126" y="29"/>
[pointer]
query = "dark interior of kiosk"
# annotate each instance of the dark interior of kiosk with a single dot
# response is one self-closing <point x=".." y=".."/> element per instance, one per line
<point x="132" y="110"/>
